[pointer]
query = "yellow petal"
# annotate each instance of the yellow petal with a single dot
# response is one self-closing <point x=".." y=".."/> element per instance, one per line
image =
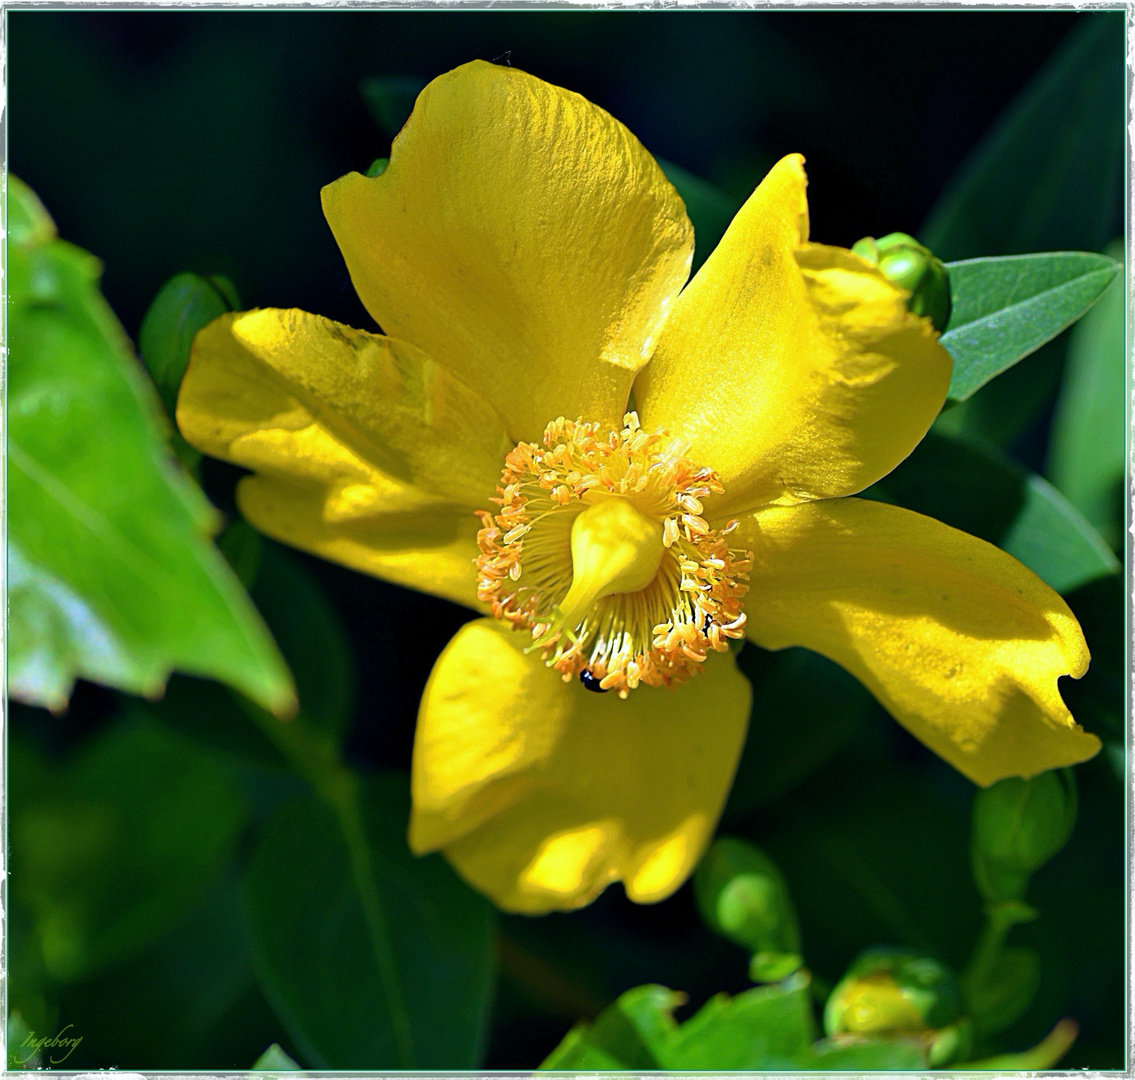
<point x="432" y="550"/>
<point x="795" y="369"/>
<point x="522" y="237"/>
<point x="542" y="793"/>
<point x="959" y="641"/>
<point x="296" y="395"/>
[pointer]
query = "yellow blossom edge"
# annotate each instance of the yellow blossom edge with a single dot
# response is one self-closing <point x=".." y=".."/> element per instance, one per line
<point x="366" y="451"/>
<point x="794" y="369"/>
<point x="522" y="237"/>
<point x="541" y="794"/>
<point x="961" y="643"/>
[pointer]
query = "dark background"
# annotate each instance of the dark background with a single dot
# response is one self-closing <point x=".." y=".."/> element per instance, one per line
<point x="166" y="141"/>
<point x="193" y="140"/>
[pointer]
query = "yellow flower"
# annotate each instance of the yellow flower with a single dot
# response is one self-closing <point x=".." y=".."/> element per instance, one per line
<point x="525" y="257"/>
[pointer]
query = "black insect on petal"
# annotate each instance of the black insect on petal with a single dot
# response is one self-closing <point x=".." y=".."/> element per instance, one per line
<point x="591" y="682"/>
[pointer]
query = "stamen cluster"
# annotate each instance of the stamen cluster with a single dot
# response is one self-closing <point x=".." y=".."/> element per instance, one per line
<point x="658" y="636"/>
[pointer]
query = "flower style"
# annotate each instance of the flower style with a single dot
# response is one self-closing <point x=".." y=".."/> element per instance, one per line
<point x="505" y="444"/>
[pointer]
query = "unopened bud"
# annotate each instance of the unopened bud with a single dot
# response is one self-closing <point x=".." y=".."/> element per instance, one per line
<point x="904" y="261"/>
<point x="889" y="990"/>
<point x="183" y="305"/>
<point x="1018" y="825"/>
<point x="742" y="896"/>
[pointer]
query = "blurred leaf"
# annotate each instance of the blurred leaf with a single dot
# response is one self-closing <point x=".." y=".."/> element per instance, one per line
<point x="1098" y="699"/>
<point x="982" y="492"/>
<point x="868" y="1055"/>
<point x="390" y="100"/>
<point x="1005" y="408"/>
<point x="770" y="1027"/>
<point x="311" y="636"/>
<point x="1003" y="309"/>
<point x="372" y="959"/>
<point x="183" y="305"/>
<point x="112" y="849"/>
<point x="241" y="546"/>
<point x="710" y="210"/>
<point x="792" y="734"/>
<point x="111" y="576"/>
<point x="274" y="1060"/>
<point x="1087" y="459"/>
<point x="1007" y="993"/>
<point x="315" y="644"/>
<point x="1040" y="1058"/>
<point x="1049" y="176"/>
<point x="877" y="852"/>
<point x="188" y="998"/>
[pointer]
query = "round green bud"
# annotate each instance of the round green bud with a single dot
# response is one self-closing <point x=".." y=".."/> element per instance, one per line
<point x="377" y="167"/>
<point x="1018" y="825"/>
<point x="184" y="304"/>
<point x="904" y="261"/>
<point x="742" y="896"/>
<point x="953" y="1043"/>
<point x="891" y="990"/>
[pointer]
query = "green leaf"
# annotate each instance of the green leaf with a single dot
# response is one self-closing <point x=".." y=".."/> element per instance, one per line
<point x="850" y="1054"/>
<point x="770" y="1027"/>
<point x="112" y="576"/>
<point x="710" y="210"/>
<point x="983" y="492"/>
<point x="183" y="305"/>
<point x="577" y="1053"/>
<point x="372" y="959"/>
<point x="792" y="735"/>
<point x="1087" y="459"/>
<point x="111" y="850"/>
<point x="274" y="1060"/>
<point x="1007" y="406"/>
<point x="1049" y="176"/>
<point x="189" y="997"/>
<point x="1003" y="309"/>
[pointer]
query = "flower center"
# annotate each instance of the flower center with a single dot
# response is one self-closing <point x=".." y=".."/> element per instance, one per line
<point x="601" y="552"/>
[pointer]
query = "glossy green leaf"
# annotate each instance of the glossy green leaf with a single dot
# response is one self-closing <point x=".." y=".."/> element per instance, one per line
<point x="112" y="577"/>
<point x="112" y="849"/>
<point x="183" y="305"/>
<point x="710" y="210"/>
<point x="1005" y="308"/>
<point x="1049" y="176"/>
<point x="981" y="491"/>
<point x="372" y="959"/>
<point x="1087" y="458"/>
<point x="770" y="1027"/>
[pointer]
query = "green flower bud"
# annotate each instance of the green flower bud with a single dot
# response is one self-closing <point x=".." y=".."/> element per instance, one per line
<point x="903" y="260"/>
<point x="377" y="167"/>
<point x="890" y="990"/>
<point x="1018" y="825"/>
<point x="184" y="305"/>
<point x="742" y="896"/>
<point x="953" y="1043"/>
